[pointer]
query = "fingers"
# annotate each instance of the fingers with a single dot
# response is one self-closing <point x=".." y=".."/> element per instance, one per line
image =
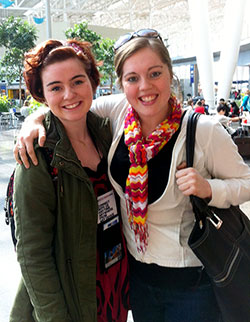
<point x="29" y="143"/>
<point x="30" y="146"/>
<point x="187" y="182"/>
<point x="23" y="156"/>
<point x="23" y="149"/>
<point x="183" y="165"/>
<point x="41" y="136"/>
<point x="31" y="153"/>
<point x="187" y="189"/>
<point x="29" y="131"/>
<point x="183" y="171"/>
<point x="16" y="154"/>
<point x="190" y="182"/>
<point x="20" y="153"/>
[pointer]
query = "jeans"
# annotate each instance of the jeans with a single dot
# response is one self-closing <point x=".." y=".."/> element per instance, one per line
<point x="150" y="303"/>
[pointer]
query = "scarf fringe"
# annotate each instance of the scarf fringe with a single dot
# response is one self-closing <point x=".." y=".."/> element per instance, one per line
<point x="141" y="236"/>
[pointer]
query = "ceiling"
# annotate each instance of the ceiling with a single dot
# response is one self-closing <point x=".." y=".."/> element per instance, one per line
<point x="170" y="17"/>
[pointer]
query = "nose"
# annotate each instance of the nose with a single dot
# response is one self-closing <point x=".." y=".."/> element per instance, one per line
<point x="69" y="93"/>
<point x="145" y="83"/>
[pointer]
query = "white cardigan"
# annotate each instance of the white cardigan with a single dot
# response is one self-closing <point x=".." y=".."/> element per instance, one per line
<point x="170" y="218"/>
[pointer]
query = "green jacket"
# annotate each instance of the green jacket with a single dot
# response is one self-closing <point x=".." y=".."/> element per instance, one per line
<point x="56" y="231"/>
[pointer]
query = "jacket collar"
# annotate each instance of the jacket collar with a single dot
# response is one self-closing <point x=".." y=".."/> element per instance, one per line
<point x="64" y="155"/>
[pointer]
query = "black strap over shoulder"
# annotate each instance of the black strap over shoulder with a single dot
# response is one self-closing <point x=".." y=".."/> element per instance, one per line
<point x="190" y="145"/>
<point x="190" y="137"/>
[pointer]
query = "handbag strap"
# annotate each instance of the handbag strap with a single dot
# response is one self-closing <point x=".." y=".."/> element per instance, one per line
<point x="197" y="203"/>
<point x="190" y="137"/>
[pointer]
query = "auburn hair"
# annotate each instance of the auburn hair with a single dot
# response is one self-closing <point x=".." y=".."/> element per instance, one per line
<point x="52" y="51"/>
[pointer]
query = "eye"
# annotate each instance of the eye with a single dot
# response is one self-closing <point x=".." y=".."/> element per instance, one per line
<point x="132" y="79"/>
<point x="155" y="74"/>
<point x="55" y="88"/>
<point x="79" y="82"/>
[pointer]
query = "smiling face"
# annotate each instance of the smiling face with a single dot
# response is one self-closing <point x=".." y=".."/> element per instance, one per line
<point x="67" y="90"/>
<point x="146" y="82"/>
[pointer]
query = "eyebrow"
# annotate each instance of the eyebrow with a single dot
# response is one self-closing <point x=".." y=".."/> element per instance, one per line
<point x="58" y="82"/>
<point x="132" y="73"/>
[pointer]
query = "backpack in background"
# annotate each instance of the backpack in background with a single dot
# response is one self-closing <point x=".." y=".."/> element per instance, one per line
<point x="8" y="208"/>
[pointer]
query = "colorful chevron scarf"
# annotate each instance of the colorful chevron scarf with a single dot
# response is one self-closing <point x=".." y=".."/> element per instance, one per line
<point x="141" y="150"/>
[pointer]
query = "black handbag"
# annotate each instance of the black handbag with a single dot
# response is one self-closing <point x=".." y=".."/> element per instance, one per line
<point x="221" y="240"/>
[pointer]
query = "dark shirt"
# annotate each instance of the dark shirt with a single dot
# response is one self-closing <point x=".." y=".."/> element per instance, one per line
<point x="158" y="167"/>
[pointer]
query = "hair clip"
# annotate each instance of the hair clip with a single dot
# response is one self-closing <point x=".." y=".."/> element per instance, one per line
<point x="76" y="48"/>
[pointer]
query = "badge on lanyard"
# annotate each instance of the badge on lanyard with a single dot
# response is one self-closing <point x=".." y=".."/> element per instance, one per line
<point x="109" y="231"/>
<point x="106" y="206"/>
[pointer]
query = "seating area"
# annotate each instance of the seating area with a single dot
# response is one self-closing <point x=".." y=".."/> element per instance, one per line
<point x="10" y="120"/>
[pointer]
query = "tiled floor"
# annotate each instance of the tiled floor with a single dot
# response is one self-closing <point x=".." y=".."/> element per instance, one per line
<point x="9" y="269"/>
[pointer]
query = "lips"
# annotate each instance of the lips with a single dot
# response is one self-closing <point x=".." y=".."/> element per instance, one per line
<point x="148" y="98"/>
<point x="71" y="106"/>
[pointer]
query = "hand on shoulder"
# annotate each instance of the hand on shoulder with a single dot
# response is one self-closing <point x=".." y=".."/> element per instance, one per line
<point x="31" y="129"/>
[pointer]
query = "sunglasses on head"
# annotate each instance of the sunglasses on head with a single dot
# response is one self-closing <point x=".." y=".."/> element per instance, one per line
<point x="147" y="33"/>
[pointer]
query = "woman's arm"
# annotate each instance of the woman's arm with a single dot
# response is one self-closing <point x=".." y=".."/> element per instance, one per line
<point x="35" y="215"/>
<point x="111" y="106"/>
<point x="216" y="156"/>
<point x="230" y="182"/>
<point x="104" y="106"/>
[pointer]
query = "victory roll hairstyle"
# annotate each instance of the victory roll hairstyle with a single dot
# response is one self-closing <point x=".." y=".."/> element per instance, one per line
<point x="53" y="51"/>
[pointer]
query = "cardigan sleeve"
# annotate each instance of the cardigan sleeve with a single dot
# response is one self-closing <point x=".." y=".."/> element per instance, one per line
<point x="35" y="215"/>
<point x="109" y="106"/>
<point x="112" y="106"/>
<point x="230" y="175"/>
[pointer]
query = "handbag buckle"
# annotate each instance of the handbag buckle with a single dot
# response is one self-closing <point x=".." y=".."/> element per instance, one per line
<point x="218" y="222"/>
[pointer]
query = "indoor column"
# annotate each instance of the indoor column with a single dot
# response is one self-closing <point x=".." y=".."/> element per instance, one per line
<point x="230" y="45"/>
<point x="201" y="39"/>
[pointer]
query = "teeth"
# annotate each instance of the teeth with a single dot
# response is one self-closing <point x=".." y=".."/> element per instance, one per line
<point x="148" y="98"/>
<point x="71" y="106"/>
